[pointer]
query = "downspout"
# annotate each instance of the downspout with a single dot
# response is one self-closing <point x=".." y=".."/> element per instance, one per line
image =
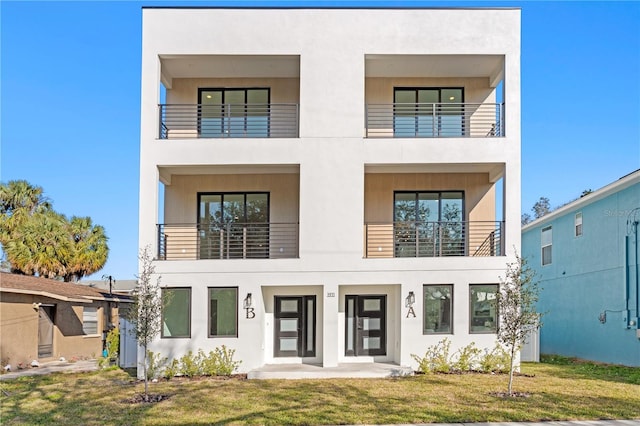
<point x="627" y="266"/>
<point x="635" y="230"/>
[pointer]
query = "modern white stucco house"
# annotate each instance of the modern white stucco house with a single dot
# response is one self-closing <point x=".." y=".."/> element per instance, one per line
<point x="329" y="185"/>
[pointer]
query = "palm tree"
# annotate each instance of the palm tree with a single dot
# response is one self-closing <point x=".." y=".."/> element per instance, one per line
<point x="19" y="200"/>
<point x="88" y="248"/>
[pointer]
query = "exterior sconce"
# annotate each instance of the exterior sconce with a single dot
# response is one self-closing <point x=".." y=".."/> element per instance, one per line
<point x="248" y="301"/>
<point x="410" y="300"/>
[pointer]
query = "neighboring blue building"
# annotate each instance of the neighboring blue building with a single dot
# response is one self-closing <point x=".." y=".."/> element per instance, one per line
<point x="586" y="258"/>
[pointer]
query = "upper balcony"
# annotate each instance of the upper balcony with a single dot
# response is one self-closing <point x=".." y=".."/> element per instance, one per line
<point x="434" y="96"/>
<point x="230" y="96"/>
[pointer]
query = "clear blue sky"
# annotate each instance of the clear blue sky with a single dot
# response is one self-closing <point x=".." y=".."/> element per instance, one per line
<point x="70" y="87"/>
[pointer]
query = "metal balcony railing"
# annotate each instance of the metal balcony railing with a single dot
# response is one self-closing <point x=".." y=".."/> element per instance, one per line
<point x="434" y="120"/>
<point x="227" y="241"/>
<point x="182" y="121"/>
<point x="433" y="239"/>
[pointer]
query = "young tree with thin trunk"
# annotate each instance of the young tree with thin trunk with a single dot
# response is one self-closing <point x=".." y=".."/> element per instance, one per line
<point x="146" y="310"/>
<point x="517" y="300"/>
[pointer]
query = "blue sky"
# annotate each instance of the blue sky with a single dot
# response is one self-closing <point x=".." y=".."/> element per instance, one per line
<point x="70" y="88"/>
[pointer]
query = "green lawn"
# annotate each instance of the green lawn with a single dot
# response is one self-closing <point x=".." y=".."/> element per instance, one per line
<point x="562" y="390"/>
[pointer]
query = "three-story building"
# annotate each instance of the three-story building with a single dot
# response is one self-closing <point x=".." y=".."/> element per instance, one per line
<point x="329" y="185"/>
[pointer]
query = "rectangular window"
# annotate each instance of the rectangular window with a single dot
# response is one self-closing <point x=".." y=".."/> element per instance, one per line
<point x="235" y="113"/>
<point x="578" y="224"/>
<point x="90" y="320"/>
<point x="483" y="308"/>
<point x="428" y="112"/>
<point x="438" y="312"/>
<point x="546" y="241"/>
<point x="233" y="225"/>
<point x="176" y="312"/>
<point x="223" y="312"/>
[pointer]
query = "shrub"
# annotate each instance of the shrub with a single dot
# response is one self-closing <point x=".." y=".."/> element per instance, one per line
<point x="171" y="370"/>
<point x="466" y="358"/>
<point x="190" y="364"/>
<point x="224" y="360"/>
<point x="113" y="344"/>
<point x="156" y="363"/>
<point x="495" y="361"/>
<point x="436" y="359"/>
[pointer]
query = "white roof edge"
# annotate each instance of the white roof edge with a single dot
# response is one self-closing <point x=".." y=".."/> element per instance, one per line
<point x="618" y="185"/>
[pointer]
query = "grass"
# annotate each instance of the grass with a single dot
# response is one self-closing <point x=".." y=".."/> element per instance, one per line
<point x="560" y="389"/>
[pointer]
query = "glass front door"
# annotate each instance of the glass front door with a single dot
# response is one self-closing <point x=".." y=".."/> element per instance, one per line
<point x="45" y="331"/>
<point x="366" y="328"/>
<point x="295" y="326"/>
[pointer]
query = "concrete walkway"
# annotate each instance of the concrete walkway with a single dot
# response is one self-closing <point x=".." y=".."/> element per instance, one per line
<point x="369" y="370"/>
<point x="53" y="367"/>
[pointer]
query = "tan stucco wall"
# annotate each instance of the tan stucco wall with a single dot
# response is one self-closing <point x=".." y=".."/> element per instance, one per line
<point x="379" y="90"/>
<point x="479" y="193"/>
<point x="19" y="329"/>
<point x="181" y="197"/>
<point x="185" y="90"/>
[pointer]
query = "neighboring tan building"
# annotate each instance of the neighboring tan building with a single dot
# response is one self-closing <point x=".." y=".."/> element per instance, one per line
<point x="587" y="260"/>
<point x="43" y="319"/>
<point x="329" y="186"/>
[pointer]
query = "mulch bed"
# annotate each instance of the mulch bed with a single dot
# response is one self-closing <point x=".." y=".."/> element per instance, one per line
<point x="150" y="398"/>
<point x="513" y="394"/>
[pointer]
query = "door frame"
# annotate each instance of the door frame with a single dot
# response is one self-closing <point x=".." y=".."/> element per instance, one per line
<point x="46" y="313"/>
<point x="358" y="331"/>
<point x="303" y="333"/>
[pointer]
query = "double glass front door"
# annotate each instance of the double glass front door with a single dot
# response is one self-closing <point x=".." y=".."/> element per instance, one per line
<point x="295" y="326"/>
<point x="366" y="325"/>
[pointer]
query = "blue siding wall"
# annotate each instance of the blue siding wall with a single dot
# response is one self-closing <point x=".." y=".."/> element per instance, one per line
<point x="586" y="278"/>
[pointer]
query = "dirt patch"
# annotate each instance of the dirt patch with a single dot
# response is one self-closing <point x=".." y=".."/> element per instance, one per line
<point x="513" y="394"/>
<point x="150" y="398"/>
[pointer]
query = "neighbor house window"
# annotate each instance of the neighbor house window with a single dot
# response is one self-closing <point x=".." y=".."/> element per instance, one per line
<point x="90" y="320"/>
<point x="578" y="224"/>
<point x="223" y="312"/>
<point x="483" y="308"/>
<point x="546" y="240"/>
<point x="176" y="313"/>
<point x="438" y="312"/>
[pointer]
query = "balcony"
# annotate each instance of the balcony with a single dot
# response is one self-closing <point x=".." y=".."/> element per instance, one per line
<point x="433" y="239"/>
<point x="227" y="241"/>
<point x="435" y="120"/>
<point x="188" y="121"/>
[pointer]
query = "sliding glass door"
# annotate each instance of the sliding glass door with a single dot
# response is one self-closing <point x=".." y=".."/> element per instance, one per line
<point x="428" y="112"/>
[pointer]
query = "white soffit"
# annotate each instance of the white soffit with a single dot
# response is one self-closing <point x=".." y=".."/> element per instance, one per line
<point x="495" y="169"/>
<point x="226" y="66"/>
<point x="433" y="65"/>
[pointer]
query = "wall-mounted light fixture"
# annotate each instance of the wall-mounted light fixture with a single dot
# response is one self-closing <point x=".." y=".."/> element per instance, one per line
<point x="248" y="301"/>
<point x="410" y="300"/>
<point x="36" y="306"/>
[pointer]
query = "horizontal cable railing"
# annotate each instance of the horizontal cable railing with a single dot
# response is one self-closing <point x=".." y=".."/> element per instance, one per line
<point x="433" y="239"/>
<point x="434" y="120"/>
<point x="227" y="241"/>
<point x="185" y="121"/>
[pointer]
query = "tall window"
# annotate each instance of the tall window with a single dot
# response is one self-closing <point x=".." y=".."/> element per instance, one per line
<point x="438" y="312"/>
<point x="546" y="242"/>
<point x="428" y="112"/>
<point x="176" y="313"/>
<point x="233" y="113"/>
<point x="578" y="224"/>
<point x="223" y="312"/>
<point x="233" y="225"/>
<point x="90" y="320"/>
<point x="483" y="308"/>
<point x="429" y="224"/>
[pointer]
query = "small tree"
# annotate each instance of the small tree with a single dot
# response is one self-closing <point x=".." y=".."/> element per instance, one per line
<point x="517" y="300"/>
<point x="541" y="207"/>
<point x="146" y="310"/>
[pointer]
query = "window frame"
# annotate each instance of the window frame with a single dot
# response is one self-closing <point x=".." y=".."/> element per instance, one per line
<point x="577" y="225"/>
<point x="439" y="113"/>
<point x="94" y="320"/>
<point x="548" y="246"/>
<point x="425" y="330"/>
<point x="472" y="316"/>
<point x="164" y="306"/>
<point x="237" y="310"/>
<point x="223" y="91"/>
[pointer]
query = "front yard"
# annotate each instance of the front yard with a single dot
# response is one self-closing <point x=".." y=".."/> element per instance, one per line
<point x="562" y="390"/>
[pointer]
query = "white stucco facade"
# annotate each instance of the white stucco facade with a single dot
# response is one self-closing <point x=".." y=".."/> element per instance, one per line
<point x="334" y="181"/>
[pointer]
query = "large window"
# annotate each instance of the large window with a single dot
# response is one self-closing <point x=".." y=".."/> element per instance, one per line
<point x="233" y="225"/>
<point x="428" y="112"/>
<point x="483" y="308"/>
<point x="233" y="113"/>
<point x="176" y="312"/>
<point x="429" y="224"/>
<point x="546" y="242"/>
<point x="223" y="312"/>
<point x="90" y="320"/>
<point x="438" y="312"/>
